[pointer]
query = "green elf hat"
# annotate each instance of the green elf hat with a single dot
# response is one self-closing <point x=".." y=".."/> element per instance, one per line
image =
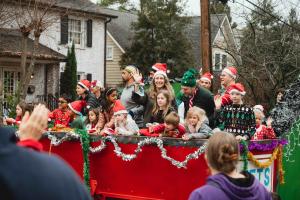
<point x="189" y="78"/>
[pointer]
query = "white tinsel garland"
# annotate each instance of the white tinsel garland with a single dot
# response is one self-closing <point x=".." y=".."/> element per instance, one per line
<point x="55" y="141"/>
<point x="129" y="157"/>
<point x="147" y="141"/>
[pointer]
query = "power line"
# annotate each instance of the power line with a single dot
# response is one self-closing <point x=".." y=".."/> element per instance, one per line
<point x="270" y="14"/>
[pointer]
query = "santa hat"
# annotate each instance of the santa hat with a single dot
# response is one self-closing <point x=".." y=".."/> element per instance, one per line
<point x="259" y="108"/>
<point x="231" y="71"/>
<point x="84" y="84"/>
<point x="207" y="77"/>
<point x="238" y="87"/>
<point x="96" y="83"/>
<point x="76" y="106"/>
<point x="160" y="67"/>
<point x="119" y="108"/>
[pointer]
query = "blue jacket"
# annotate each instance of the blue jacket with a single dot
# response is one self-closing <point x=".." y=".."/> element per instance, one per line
<point x="26" y="174"/>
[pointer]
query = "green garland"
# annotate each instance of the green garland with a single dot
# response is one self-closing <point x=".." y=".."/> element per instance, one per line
<point x="85" y="144"/>
<point x="244" y="154"/>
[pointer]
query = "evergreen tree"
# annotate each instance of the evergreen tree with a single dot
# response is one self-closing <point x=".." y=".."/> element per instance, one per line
<point x="122" y="5"/>
<point x="68" y="80"/>
<point x="160" y="37"/>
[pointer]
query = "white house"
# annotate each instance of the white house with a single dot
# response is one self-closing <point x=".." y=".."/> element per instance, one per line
<point x="78" y="21"/>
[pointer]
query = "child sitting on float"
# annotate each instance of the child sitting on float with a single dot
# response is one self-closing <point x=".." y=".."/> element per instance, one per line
<point x="92" y="120"/>
<point x="76" y="117"/>
<point x="61" y="115"/>
<point x="262" y="131"/>
<point x="109" y="99"/>
<point x="196" y="124"/>
<point x="237" y="118"/>
<point x="170" y="128"/>
<point x="124" y="124"/>
<point x="162" y="107"/>
<point x="21" y="108"/>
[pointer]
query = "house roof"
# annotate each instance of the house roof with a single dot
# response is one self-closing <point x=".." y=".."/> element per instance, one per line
<point x="120" y="28"/>
<point x="194" y="35"/>
<point x="10" y="46"/>
<point x="85" y="6"/>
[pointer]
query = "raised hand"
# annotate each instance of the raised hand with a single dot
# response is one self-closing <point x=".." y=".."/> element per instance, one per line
<point x="32" y="126"/>
<point x="137" y="76"/>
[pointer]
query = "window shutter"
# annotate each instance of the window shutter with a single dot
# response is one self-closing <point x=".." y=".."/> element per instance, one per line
<point x="89" y="33"/>
<point x="64" y="26"/>
<point x="89" y="77"/>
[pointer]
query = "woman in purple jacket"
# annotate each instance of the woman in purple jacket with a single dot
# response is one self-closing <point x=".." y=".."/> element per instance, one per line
<point x="226" y="183"/>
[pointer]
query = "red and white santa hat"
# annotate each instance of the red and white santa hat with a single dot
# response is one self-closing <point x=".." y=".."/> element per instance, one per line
<point x="85" y="84"/>
<point x="207" y="77"/>
<point x="119" y="108"/>
<point x="231" y="71"/>
<point x="76" y="106"/>
<point x="160" y="68"/>
<point x="96" y="83"/>
<point x="238" y="88"/>
<point x="259" y="108"/>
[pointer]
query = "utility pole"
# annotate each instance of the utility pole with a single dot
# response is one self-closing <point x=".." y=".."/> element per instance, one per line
<point x="205" y="37"/>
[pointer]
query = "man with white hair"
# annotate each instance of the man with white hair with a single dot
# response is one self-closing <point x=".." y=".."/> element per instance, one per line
<point x="228" y="77"/>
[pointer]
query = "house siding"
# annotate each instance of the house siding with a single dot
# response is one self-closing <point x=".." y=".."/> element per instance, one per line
<point x="89" y="59"/>
<point x="113" y="68"/>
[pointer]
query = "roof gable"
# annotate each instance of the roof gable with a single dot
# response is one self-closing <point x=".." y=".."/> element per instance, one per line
<point x="121" y="28"/>
<point x="194" y="34"/>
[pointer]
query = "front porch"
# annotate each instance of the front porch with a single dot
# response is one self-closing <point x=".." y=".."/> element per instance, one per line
<point x="44" y="83"/>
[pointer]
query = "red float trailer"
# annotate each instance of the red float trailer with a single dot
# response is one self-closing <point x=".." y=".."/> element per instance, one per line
<point x="148" y="176"/>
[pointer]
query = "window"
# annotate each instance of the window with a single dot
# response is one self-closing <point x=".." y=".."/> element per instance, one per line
<point x="10" y="82"/>
<point x="75" y="31"/>
<point x="109" y="52"/>
<point x="224" y="61"/>
<point x="217" y="62"/>
<point x="220" y="61"/>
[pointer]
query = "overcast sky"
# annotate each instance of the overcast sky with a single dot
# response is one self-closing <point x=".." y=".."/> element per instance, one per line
<point x="239" y="8"/>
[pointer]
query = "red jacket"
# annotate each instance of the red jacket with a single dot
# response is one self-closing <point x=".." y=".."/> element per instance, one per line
<point x="30" y="143"/>
<point x="160" y="129"/>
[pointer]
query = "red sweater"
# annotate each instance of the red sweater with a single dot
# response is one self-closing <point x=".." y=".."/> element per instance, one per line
<point x="60" y="117"/>
<point x="263" y="132"/>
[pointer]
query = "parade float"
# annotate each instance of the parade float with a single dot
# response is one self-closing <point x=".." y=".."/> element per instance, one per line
<point x="138" y="167"/>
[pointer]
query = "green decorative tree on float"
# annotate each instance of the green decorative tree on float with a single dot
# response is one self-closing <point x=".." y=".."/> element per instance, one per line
<point x="68" y="80"/>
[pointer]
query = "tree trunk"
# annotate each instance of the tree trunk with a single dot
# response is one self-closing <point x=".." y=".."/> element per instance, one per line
<point x="29" y="69"/>
<point x="20" y="91"/>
